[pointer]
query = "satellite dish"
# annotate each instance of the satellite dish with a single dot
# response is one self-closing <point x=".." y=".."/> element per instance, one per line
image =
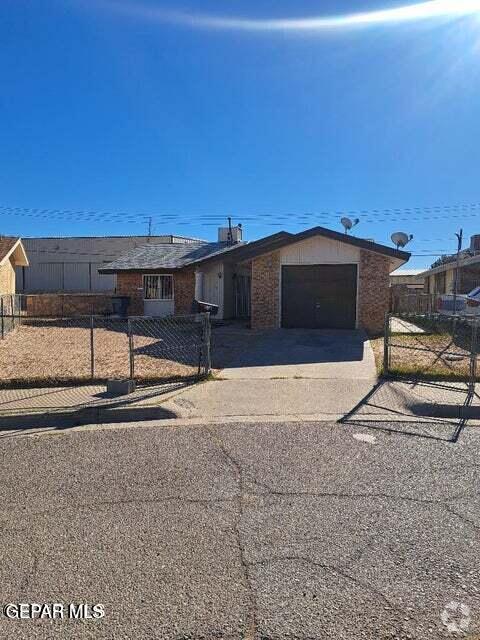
<point x="348" y="224"/>
<point x="401" y="239"/>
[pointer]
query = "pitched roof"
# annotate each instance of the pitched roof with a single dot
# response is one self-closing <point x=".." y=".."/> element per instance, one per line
<point x="171" y="256"/>
<point x="466" y="260"/>
<point x="244" y="250"/>
<point x="6" y="245"/>
<point x="407" y="272"/>
<point x="153" y="257"/>
<point x="11" y="245"/>
<point x="283" y="238"/>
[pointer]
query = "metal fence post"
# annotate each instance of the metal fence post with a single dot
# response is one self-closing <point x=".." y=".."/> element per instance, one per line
<point x="386" y="345"/>
<point x="473" y="358"/>
<point x="206" y="340"/>
<point x="130" y="349"/>
<point x="92" y="350"/>
<point x="3" y="317"/>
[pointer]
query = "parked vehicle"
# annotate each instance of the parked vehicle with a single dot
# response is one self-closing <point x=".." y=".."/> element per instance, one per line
<point x="473" y="302"/>
<point x="466" y="305"/>
<point x="445" y="304"/>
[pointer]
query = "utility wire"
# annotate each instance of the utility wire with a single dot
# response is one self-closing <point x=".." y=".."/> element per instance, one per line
<point x="264" y="218"/>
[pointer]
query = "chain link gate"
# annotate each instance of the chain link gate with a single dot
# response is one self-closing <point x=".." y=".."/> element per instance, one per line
<point x="178" y="340"/>
<point x="427" y="345"/>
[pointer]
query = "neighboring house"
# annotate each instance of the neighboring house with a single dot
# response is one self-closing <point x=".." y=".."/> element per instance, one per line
<point x="409" y="279"/>
<point x="315" y="279"/>
<point x="441" y="279"/>
<point x="12" y="255"/>
<point x="70" y="265"/>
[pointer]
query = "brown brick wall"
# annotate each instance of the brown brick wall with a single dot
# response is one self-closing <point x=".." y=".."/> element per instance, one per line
<point x="265" y="291"/>
<point x="7" y="278"/>
<point x="373" y="296"/>
<point x="373" y="291"/>
<point x="68" y="304"/>
<point x="131" y="284"/>
<point x="184" y="290"/>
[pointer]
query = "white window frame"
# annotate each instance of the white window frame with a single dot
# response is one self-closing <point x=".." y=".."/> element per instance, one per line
<point x="158" y="275"/>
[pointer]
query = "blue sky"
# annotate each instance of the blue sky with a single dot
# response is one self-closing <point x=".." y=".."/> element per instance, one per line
<point x="121" y="107"/>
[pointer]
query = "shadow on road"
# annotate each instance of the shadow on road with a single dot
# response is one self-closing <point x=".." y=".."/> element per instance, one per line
<point x="140" y="406"/>
<point x="393" y="406"/>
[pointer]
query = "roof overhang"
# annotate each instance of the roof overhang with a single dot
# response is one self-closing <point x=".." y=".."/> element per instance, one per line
<point x="151" y="270"/>
<point x="466" y="262"/>
<point x="397" y="257"/>
<point x="17" y="254"/>
<point x="397" y="262"/>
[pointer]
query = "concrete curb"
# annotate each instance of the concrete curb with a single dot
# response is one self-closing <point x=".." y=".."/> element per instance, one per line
<point x="53" y="425"/>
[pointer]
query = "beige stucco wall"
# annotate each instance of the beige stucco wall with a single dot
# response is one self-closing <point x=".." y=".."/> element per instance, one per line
<point x="7" y="278"/>
<point x="450" y="281"/>
<point x="319" y="250"/>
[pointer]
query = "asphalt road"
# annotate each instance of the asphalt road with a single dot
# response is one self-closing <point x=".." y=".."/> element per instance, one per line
<point x="261" y="531"/>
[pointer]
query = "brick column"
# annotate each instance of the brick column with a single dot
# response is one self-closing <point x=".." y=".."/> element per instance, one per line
<point x="265" y="292"/>
<point x="373" y="291"/>
<point x="184" y="290"/>
<point x="131" y="284"/>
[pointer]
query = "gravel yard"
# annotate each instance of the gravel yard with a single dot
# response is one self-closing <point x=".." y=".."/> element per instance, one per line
<point x="431" y="355"/>
<point x="52" y="351"/>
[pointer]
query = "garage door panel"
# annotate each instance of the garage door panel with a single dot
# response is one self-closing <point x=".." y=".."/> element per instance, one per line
<point x="319" y="296"/>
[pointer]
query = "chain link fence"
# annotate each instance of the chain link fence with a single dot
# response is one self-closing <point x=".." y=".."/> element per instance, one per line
<point x="429" y="362"/>
<point x="39" y="350"/>
<point x="11" y="308"/>
<point x="427" y="345"/>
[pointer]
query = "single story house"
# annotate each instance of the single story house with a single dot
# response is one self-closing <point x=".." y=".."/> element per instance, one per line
<point x="70" y="264"/>
<point x="441" y="279"/>
<point x="314" y="279"/>
<point x="408" y="279"/>
<point x="12" y="255"/>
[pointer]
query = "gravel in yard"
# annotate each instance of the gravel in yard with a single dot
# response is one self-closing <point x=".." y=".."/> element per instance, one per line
<point x="53" y="351"/>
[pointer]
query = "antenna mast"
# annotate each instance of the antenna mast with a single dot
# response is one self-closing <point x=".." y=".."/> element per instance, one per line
<point x="455" y="284"/>
<point x="348" y="224"/>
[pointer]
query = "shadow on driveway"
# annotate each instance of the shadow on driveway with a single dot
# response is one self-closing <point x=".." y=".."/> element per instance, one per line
<point x="292" y="353"/>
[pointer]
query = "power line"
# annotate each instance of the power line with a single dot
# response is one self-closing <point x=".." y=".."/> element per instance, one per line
<point x="265" y="218"/>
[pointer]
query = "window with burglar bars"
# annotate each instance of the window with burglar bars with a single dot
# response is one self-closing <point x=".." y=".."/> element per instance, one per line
<point x="158" y="287"/>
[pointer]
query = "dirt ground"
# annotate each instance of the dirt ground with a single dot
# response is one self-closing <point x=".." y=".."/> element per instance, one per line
<point x="48" y="352"/>
<point x="434" y="355"/>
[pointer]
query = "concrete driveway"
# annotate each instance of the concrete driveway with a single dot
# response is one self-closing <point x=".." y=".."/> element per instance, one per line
<point x="297" y="353"/>
<point x="284" y="372"/>
<point x="304" y="374"/>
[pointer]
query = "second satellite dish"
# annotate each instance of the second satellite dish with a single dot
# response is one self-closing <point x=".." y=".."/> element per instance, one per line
<point x="348" y="224"/>
<point x="400" y="239"/>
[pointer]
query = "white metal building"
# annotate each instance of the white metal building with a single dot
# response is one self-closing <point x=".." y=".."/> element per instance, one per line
<point x="71" y="264"/>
